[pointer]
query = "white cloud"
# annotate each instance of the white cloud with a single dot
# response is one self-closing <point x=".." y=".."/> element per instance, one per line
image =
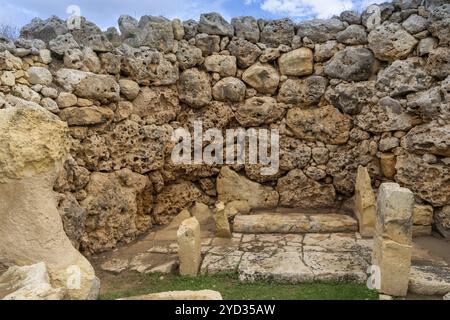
<point x="305" y="8"/>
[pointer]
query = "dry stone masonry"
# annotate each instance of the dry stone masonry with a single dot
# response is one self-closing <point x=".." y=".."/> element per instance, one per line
<point x="343" y="92"/>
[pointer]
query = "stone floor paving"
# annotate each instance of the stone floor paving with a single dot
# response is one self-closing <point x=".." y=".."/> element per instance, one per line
<point x="291" y="258"/>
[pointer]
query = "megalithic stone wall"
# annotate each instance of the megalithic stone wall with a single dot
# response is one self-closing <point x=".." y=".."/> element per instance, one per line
<point x="346" y="91"/>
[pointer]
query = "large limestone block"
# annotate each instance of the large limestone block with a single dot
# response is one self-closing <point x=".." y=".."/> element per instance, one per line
<point x="298" y="62"/>
<point x="34" y="147"/>
<point x="429" y="181"/>
<point x="28" y="283"/>
<point x="394" y="213"/>
<point x="179" y="295"/>
<point x="365" y="204"/>
<point x="232" y="186"/>
<point x="390" y="41"/>
<point x="189" y="247"/>
<point x="429" y="280"/>
<point x="394" y="261"/>
<point x="325" y="124"/>
<point x="263" y="77"/>
<point x="89" y="85"/>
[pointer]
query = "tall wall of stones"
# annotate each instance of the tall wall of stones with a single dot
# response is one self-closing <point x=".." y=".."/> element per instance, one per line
<point x="343" y="92"/>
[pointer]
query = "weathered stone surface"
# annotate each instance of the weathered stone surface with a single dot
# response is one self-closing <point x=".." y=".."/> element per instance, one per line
<point x="394" y="261"/>
<point x="28" y="283"/>
<point x="428" y="138"/>
<point x="319" y="30"/>
<point x="438" y="63"/>
<point x="365" y="205"/>
<point x="148" y="67"/>
<point x="394" y="213"/>
<point x="229" y="89"/>
<point x="116" y="209"/>
<point x="160" y="104"/>
<point x="351" y="64"/>
<point x="352" y="35"/>
<point x="293" y="223"/>
<point x="390" y="41"/>
<point x="221" y="218"/>
<point x="278" y="32"/>
<point x="213" y="23"/>
<point x="179" y="295"/>
<point x="387" y="115"/>
<point x="188" y="56"/>
<point x="281" y="267"/>
<point x="442" y="220"/>
<point x="352" y="97"/>
<point x="298" y="62"/>
<point x="45" y="30"/>
<point x="259" y="110"/>
<point x="223" y="65"/>
<point x="435" y="189"/>
<point x="427" y="104"/>
<point x="73" y="217"/>
<point x="429" y="280"/>
<point x="325" y="124"/>
<point x="426" y="45"/>
<point x="39" y="75"/>
<point x="297" y="190"/>
<point x="232" y="186"/>
<point x="294" y="153"/>
<point x="387" y="164"/>
<point x="194" y="88"/>
<point x="176" y="197"/>
<point x="303" y="92"/>
<point x="245" y="52"/>
<point x="35" y="145"/>
<point x="86" y="116"/>
<point x="340" y="266"/>
<point x="263" y="77"/>
<point x="422" y="214"/>
<point x="415" y="24"/>
<point x="189" y="243"/>
<point x="246" y="27"/>
<point x="440" y="24"/>
<point x="63" y="43"/>
<point x="190" y="29"/>
<point x="89" y="85"/>
<point x="157" y="33"/>
<point x="207" y="43"/>
<point x="129" y="88"/>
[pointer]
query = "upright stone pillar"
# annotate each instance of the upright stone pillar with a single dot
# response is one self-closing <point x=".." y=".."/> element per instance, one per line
<point x="365" y="205"/>
<point x="189" y="247"/>
<point x="222" y="224"/>
<point x="392" y="247"/>
<point x="33" y="144"/>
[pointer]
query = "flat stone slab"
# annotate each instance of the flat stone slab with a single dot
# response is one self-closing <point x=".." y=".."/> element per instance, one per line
<point x="280" y="267"/>
<point x="214" y="263"/>
<point x="294" y="223"/>
<point x="336" y="266"/>
<point x="179" y="295"/>
<point x="429" y="280"/>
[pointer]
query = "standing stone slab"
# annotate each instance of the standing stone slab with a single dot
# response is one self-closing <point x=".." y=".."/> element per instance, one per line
<point x="364" y="202"/>
<point x="189" y="243"/>
<point x="392" y="249"/>
<point x="34" y="147"/>
<point x="394" y="213"/>
<point x="394" y="261"/>
<point x="222" y="224"/>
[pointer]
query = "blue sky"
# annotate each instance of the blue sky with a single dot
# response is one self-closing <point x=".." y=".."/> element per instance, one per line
<point x="106" y="12"/>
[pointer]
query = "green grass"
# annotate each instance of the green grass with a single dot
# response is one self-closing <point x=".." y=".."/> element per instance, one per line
<point x="232" y="289"/>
